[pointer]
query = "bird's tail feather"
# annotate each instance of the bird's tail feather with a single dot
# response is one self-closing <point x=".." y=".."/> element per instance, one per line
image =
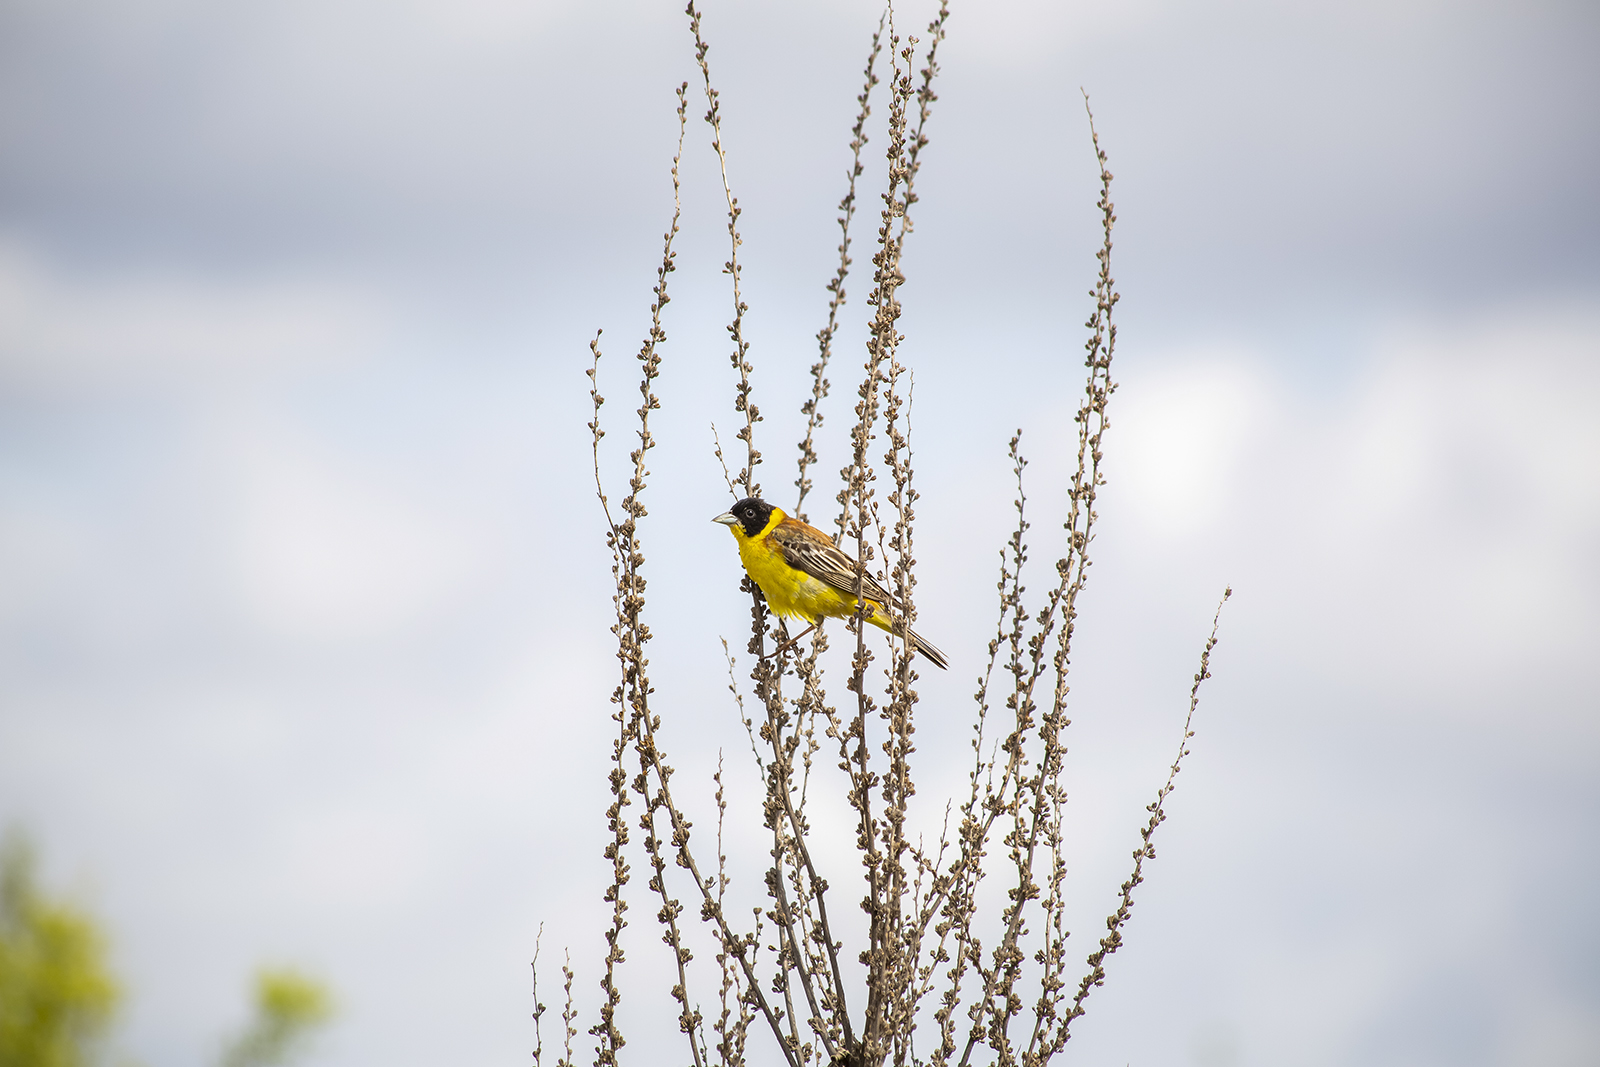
<point x="884" y="621"/>
<point x="933" y="654"/>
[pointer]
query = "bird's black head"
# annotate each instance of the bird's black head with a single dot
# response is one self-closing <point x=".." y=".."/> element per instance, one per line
<point x="750" y="514"/>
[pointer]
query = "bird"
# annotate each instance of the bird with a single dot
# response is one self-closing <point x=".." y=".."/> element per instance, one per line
<point x="804" y="575"/>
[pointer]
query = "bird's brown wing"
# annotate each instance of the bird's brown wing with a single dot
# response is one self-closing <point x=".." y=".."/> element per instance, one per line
<point x="808" y="549"/>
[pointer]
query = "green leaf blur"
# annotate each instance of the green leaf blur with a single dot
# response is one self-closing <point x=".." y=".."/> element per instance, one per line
<point x="56" y="995"/>
<point x="289" y="1009"/>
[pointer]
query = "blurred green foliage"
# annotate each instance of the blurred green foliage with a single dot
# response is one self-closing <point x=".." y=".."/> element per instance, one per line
<point x="57" y="996"/>
<point x="289" y="1009"/>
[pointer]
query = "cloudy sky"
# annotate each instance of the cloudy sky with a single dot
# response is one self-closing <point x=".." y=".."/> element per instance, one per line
<point x="303" y="589"/>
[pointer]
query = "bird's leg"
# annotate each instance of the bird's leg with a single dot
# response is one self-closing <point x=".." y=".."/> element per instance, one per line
<point x="789" y="640"/>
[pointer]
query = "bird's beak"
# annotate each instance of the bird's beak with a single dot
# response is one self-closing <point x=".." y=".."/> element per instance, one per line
<point x="727" y="519"/>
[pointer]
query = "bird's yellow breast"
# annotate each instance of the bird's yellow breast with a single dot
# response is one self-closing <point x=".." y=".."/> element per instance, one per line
<point x="790" y="591"/>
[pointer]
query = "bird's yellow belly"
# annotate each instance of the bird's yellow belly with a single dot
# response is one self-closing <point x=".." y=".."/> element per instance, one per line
<point x="794" y="593"/>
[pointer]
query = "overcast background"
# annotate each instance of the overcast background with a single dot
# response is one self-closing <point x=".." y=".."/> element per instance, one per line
<point x="303" y="591"/>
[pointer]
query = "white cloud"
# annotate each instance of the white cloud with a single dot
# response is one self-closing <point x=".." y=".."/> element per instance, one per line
<point x="1432" y="517"/>
<point x="41" y="547"/>
<point x="323" y="551"/>
<point x="1464" y="485"/>
<point x="152" y="328"/>
<point x="1179" y="441"/>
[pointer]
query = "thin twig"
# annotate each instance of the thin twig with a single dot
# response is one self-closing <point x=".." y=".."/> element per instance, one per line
<point x="847" y="207"/>
<point x="538" y="1008"/>
<point x="741" y="348"/>
<point x="1146" y="850"/>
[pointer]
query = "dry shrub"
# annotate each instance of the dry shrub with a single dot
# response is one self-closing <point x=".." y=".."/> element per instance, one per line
<point x="924" y="963"/>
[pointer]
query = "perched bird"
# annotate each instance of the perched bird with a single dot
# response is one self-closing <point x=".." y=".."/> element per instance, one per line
<point x="803" y="575"/>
